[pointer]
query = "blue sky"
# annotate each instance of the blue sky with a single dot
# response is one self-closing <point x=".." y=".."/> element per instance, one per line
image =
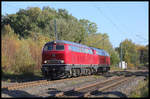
<point x="120" y="20"/>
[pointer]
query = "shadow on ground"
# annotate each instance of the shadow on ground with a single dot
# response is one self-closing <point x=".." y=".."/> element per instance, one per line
<point x="109" y="94"/>
<point x="53" y="91"/>
<point x="73" y="93"/>
<point x="16" y="93"/>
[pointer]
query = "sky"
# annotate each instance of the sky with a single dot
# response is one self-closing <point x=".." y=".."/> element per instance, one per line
<point x="120" y="20"/>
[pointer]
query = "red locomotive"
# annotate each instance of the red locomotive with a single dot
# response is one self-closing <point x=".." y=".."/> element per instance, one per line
<point x="66" y="59"/>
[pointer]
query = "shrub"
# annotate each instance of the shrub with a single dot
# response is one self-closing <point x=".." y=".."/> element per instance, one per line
<point x="23" y="60"/>
<point x="141" y="90"/>
<point x="8" y="50"/>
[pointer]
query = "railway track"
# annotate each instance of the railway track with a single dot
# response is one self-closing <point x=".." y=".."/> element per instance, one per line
<point x="36" y="83"/>
<point x="113" y="79"/>
<point x="43" y="82"/>
<point x="86" y="91"/>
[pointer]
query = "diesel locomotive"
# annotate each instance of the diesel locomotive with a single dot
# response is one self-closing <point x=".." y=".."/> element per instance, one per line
<point x="62" y="58"/>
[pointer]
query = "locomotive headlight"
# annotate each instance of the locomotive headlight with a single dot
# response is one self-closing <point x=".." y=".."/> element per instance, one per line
<point x="45" y="62"/>
<point x="62" y="61"/>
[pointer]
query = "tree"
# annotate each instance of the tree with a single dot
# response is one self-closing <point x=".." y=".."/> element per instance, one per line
<point x="114" y="58"/>
<point x="143" y="54"/>
<point x="63" y="13"/>
<point x="90" y="27"/>
<point x="129" y="52"/>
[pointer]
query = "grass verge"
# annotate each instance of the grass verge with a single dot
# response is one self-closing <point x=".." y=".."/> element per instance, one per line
<point x="12" y="77"/>
<point x="141" y="91"/>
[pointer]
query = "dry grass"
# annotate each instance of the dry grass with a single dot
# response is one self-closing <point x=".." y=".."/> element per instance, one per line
<point x="21" y="56"/>
<point x="141" y="90"/>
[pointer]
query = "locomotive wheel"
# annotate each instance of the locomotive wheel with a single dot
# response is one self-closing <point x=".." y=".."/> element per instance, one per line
<point x="92" y="71"/>
<point x="82" y="72"/>
<point x="64" y="75"/>
<point x="78" y="72"/>
<point x="54" y="76"/>
<point x="68" y="75"/>
<point x="46" y="76"/>
<point x="86" y="72"/>
<point x="74" y="73"/>
<point x="89" y="71"/>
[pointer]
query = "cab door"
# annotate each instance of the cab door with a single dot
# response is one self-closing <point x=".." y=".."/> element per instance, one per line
<point x="69" y="54"/>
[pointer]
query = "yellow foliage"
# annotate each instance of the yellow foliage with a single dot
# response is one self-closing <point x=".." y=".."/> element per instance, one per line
<point x="8" y="50"/>
<point x="15" y="55"/>
<point x="140" y="47"/>
<point x="131" y="66"/>
<point x="4" y="62"/>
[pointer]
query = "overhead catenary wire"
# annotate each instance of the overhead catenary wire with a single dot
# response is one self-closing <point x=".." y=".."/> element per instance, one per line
<point x="141" y="37"/>
<point x="116" y="26"/>
<point x="110" y="20"/>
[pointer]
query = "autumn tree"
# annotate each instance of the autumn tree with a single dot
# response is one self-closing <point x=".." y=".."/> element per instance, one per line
<point x="129" y="52"/>
<point x="143" y="54"/>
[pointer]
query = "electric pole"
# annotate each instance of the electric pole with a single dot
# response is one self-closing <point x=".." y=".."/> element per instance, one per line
<point x="103" y="48"/>
<point x="55" y="30"/>
<point x="121" y="54"/>
<point x="103" y="41"/>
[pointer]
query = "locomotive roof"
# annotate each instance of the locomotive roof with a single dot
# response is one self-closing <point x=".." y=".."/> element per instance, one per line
<point x="97" y="49"/>
<point x="101" y="51"/>
<point x="69" y="42"/>
<point x="77" y="44"/>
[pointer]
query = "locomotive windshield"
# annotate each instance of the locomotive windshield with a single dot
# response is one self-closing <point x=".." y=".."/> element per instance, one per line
<point x="50" y="47"/>
<point x="59" y="47"/>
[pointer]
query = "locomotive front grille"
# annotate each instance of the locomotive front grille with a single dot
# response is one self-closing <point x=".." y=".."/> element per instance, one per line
<point x="54" y="61"/>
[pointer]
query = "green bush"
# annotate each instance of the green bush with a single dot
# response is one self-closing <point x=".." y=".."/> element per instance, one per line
<point x="114" y="58"/>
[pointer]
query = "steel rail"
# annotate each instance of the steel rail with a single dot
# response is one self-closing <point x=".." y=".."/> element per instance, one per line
<point x="36" y="83"/>
<point x="62" y="94"/>
<point x="108" y="87"/>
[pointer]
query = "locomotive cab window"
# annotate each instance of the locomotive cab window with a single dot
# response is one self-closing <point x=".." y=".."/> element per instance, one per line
<point x="48" y="47"/>
<point x="59" y="47"/>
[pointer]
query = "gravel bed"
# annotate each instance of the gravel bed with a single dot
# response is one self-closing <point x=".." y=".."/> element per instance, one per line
<point x="51" y="89"/>
<point x="123" y="90"/>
